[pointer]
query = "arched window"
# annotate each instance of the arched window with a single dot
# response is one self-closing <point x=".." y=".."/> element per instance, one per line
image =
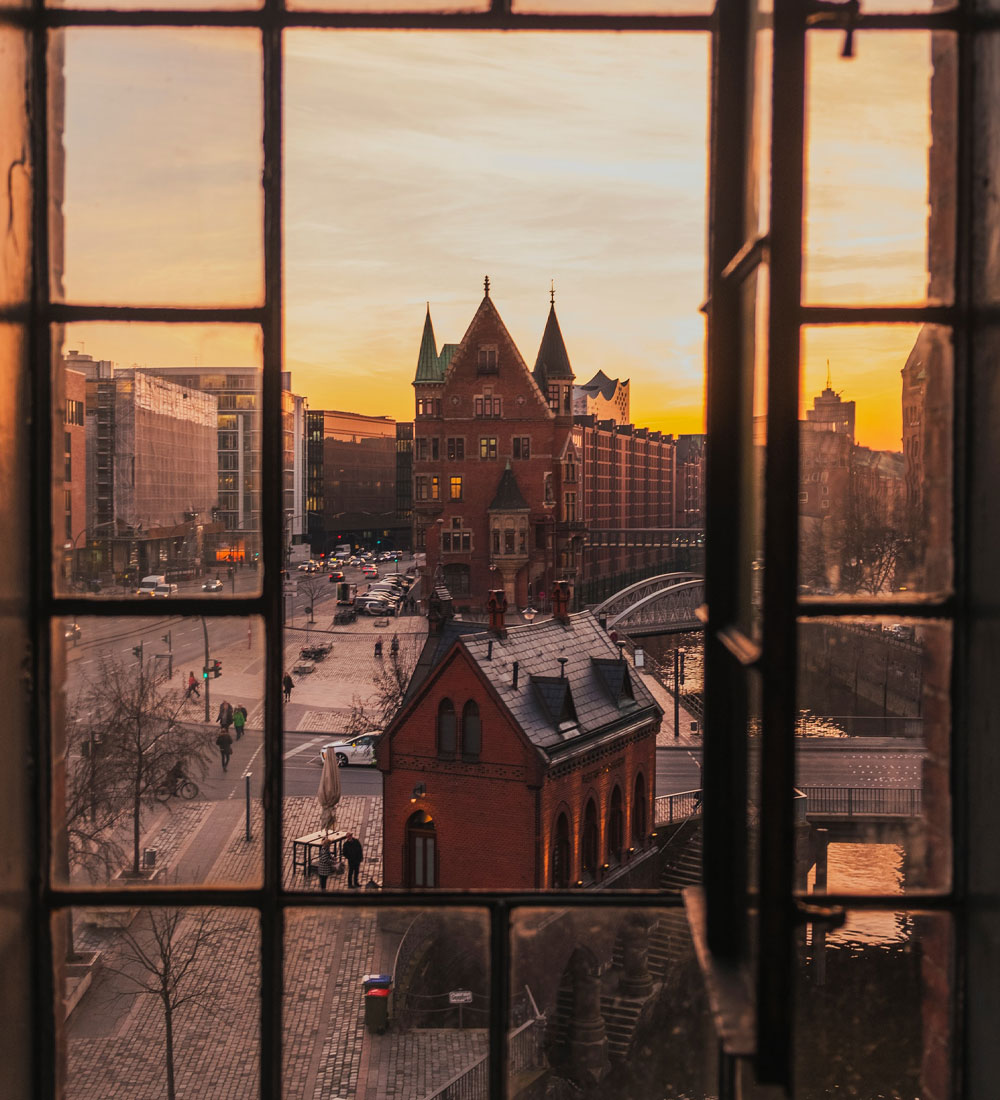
<point x="616" y="826"/>
<point x="560" y="854"/>
<point x="447" y="742"/>
<point x="472" y="731"/>
<point x="588" y="848"/>
<point x="639" y="812"/>
<point x="421" y="851"/>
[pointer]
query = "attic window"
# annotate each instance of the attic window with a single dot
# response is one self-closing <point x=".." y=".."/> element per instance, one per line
<point x="488" y="363"/>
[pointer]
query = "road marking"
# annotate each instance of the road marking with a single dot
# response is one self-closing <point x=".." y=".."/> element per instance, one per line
<point x="305" y="745"/>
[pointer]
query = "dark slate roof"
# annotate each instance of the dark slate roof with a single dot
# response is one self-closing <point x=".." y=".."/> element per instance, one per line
<point x="553" y="359"/>
<point x="435" y="647"/>
<point x="509" y="497"/>
<point x="428" y="365"/>
<point x="616" y="678"/>
<point x="540" y="708"/>
<point x="601" y="382"/>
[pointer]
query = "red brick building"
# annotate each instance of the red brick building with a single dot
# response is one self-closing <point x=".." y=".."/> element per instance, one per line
<point x="508" y="482"/>
<point x="520" y="759"/>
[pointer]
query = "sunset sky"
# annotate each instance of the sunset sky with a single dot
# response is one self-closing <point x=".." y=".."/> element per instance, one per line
<point x="417" y="163"/>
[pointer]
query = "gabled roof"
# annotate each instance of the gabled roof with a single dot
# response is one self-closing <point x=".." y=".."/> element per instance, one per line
<point x="508" y="496"/>
<point x="428" y="365"/>
<point x="556" y="697"/>
<point x="615" y="676"/>
<point x="553" y="359"/>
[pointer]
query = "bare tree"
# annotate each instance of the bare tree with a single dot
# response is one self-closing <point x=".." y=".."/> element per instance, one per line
<point x="169" y="954"/>
<point x="312" y="585"/>
<point x="391" y="679"/>
<point x="128" y="713"/>
<point x="874" y="532"/>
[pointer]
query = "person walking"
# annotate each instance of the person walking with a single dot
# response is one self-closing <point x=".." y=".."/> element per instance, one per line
<point x="225" y="718"/>
<point x="394" y="645"/>
<point x="378" y="648"/>
<point x="192" y="688"/>
<point x="353" y="853"/>
<point x="239" y="720"/>
<point x="288" y="683"/>
<point x="324" y="863"/>
<point x="225" y="743"/>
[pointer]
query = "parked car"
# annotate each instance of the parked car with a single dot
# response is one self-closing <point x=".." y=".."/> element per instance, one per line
<point x="357" y="750"/>
<point x="214" y="585"/>
<point x="345" y="615"/>
<point x="164" y="590"/>
<point x="377" y="607"/>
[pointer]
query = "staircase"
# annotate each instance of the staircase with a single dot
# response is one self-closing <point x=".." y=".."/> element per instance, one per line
<point x="681" y="857"/>
<point x="621" y="1015"/>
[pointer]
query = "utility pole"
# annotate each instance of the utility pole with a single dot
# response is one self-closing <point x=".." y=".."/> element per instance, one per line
<point x="677" y="694"/>
<point x="205" y="670"/>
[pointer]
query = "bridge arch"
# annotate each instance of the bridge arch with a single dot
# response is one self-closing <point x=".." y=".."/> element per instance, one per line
<point x="658" y="605"/>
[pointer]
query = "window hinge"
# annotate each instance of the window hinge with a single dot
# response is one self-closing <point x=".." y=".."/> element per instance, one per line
<point x="836" y="13"/>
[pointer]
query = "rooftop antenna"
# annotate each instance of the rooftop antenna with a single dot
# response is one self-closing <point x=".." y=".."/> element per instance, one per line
<point x="828" y="385"/>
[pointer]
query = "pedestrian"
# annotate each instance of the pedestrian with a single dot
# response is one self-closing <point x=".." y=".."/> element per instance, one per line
<point x="225" y="743"/>
<point x="394" y="647"/>
<point x="239" y="720"/>
<point x="192" y="688"/>
<point x="378" y="648"/>
<point x="353" y="853"/>
<point x="225" y="718"/>
<point x="288" y="683"/>
<point x="324" y="863"/>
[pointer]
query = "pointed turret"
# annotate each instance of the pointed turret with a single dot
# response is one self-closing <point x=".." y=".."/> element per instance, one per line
<point x="428" y="366"/>
<point x="553" y="361"/>
<point x="509" y="497"/>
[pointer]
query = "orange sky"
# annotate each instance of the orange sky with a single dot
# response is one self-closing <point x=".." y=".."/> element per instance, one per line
<point x="417" y="163"/>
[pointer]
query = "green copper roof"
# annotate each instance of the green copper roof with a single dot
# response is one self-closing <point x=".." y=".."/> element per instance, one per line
<point x="553" y="360"/>
<point x="509" y="497"/>
<point x="428" y="366"/>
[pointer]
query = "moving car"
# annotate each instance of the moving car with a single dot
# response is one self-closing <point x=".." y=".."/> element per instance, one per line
<point x="214" y="585"/>
<point x="148" y="584"/>
<point x="337" y="575"/>
<point x="356" y="750"/>
<point x="164" y="590"/>
<point x="369" y="570"/>
<point x="308" y="567"/>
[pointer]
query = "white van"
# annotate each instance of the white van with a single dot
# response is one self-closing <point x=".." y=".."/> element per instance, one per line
<point x="148" y="584"/>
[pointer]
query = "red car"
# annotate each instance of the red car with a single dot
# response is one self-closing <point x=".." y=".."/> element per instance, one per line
<point x="336" y="575"/>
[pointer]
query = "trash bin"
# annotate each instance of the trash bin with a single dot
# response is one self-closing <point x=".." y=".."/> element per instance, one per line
<point x="149" y="857"/>
<point x="377" y="1009"/>
<point x="376" y="981"/>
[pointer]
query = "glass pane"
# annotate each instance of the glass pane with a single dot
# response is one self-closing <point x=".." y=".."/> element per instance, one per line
<point x="875" y="496"/>
<point x="161" y="131"/>
<point x="156" y="470"/>
<point x="580" y="176"/>
<point x="870" y="124"/>
<point x="387" y="1002"/>
<point x="873" y="741"/>
<point x="875" y="1007"/>
<point x="158" y="998"/>
<point x="155" y="5"/>
<point x="428" y="6"/>
<point x="613" y="999"/>
<point x="144" y="792"/>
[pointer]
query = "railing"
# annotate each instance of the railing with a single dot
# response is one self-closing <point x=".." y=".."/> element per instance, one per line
<point x="524" y="1050"/>
<point x="669" y="808"/>
<point x="860" y="801"/>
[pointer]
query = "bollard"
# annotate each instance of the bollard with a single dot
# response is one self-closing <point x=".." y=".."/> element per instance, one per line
<point x="246" y="778"/>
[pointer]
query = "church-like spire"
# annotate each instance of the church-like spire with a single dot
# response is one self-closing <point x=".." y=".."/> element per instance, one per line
<point x="553" y="359"/>
<point x="427" y="361"/>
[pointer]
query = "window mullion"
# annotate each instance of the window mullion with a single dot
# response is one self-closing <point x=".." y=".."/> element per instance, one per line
<point x="775" y="977"/>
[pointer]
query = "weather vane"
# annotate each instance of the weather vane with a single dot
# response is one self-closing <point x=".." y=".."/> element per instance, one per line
<point x="486" y="285"/>
<point x="552" y="292"/>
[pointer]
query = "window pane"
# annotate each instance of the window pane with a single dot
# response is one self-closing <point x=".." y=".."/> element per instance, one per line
<point x="869" y="146"/>
<point x="611" y="7"/>
<point x="343" y="1035"/>
<point x="128" y="974"/>
<point x="611" y="996"/>
<point x="873" y="747"/>
<point x="439" y="6"/>
<point x="875" y="474"/>
<point x="163" y="160"/>
<point x="144" y="792"/>
<point x="875" y="1006"/>
<point x="165" y="460"/>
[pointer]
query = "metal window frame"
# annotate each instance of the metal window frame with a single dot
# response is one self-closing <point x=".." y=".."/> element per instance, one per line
<point x="730" y="658"/>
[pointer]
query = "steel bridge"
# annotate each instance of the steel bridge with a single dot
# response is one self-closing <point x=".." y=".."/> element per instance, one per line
<point x="666" y="604"/>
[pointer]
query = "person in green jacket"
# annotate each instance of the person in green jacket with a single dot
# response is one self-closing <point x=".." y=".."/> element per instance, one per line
<point x="239" y="720"/>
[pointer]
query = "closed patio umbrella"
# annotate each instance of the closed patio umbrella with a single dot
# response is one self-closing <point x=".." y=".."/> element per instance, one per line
<point x="328" y="794"/>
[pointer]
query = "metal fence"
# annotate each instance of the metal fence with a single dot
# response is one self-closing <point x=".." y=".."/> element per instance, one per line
<point x="874" y="801"/>
<point x="524" y="1049"/>
<point x="669" y="808"/>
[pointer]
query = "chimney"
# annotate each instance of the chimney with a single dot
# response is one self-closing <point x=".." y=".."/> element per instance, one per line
<point x="497" y="607"/>
<point x="514" y="683"/>
<point x="560" y="601"/>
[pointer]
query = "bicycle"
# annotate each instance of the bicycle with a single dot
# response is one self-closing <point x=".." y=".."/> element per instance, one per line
<point x="186" y="789"/>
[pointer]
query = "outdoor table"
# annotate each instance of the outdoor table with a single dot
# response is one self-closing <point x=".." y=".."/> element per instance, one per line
<point x="304" y="847"/>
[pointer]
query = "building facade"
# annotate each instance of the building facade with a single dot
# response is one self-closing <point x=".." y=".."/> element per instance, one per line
<point x="73" y="528"/>
<point x="509" y="484"/>
<point x="520" y="759"/>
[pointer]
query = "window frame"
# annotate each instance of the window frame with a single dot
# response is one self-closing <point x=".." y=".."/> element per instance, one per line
<point x="729" y="250"/>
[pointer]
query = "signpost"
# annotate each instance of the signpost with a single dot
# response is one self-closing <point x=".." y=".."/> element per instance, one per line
<point x="460" y="997"/>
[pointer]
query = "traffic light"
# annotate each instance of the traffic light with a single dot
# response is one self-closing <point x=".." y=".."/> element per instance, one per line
<point x="137" y="651"/>
<point x="204" y="672"/>
<point x="216" y="669"/>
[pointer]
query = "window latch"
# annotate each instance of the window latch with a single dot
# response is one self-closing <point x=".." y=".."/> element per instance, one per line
<point x="836" y="13"/>
<point x="807" y="912"/>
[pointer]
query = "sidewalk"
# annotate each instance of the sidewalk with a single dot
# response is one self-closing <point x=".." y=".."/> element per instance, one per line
<point x="665" y="739"/>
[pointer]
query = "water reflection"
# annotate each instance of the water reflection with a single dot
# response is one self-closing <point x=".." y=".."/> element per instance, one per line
<point x="866" y="869"/>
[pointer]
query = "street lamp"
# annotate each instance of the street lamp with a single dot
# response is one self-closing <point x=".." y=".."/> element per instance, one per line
<point x="528" y="614"/>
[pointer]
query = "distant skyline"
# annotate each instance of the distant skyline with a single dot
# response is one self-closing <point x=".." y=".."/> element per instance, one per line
<point x="417" y="163"/>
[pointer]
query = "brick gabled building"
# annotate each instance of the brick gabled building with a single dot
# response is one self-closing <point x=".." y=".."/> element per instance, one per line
<point x="489" y="429"/>
<point x="520" y="759"/>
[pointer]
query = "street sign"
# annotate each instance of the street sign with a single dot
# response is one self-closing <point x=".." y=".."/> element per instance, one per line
<point x="460" y="997"/>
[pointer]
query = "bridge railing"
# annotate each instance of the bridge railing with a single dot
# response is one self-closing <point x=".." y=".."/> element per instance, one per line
<point x="669" y="808"/>
<point x="864" y="801"/>
<point x="524" y="1045"/>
